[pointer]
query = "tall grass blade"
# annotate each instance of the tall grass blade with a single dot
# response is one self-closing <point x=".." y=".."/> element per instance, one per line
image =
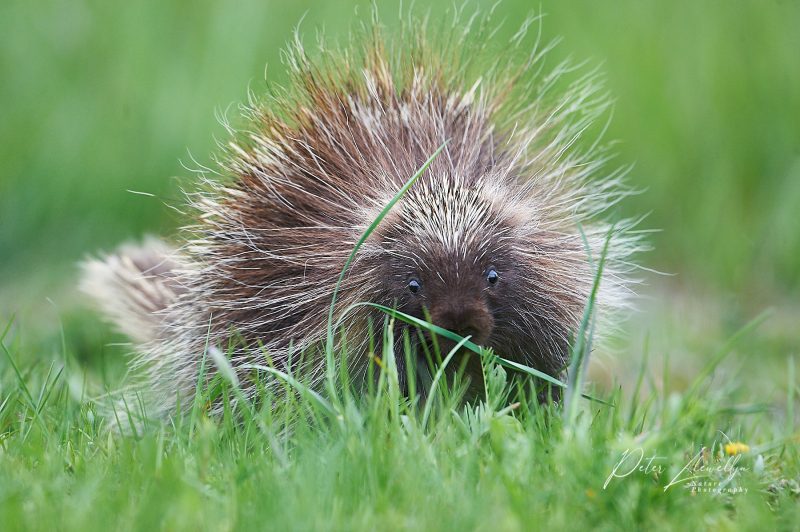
<point x="580" y="350"/>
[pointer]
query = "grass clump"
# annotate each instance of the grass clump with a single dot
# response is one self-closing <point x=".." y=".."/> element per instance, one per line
<point x="382" y="460"/>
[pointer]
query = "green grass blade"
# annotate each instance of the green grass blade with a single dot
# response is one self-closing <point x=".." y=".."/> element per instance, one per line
<point x="580" y="348"/>
<point x="20" y="378"/>
<point x="439" y="372"/>
<point x="294" y="383"/>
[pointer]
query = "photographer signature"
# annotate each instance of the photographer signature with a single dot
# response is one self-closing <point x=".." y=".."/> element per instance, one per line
<point x="699" y="466"/>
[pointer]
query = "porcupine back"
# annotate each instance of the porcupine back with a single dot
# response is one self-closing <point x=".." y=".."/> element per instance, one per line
<point x="318" y="159"/>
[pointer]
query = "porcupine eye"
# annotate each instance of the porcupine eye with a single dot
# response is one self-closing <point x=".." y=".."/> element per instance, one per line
<point x="413" y="286"/>
<point x="492" y="277"/>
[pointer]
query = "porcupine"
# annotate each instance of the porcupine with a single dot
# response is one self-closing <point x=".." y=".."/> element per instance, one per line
<point x="493" y="240"/>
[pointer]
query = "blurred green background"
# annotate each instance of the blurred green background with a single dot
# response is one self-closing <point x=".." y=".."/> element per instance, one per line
<point x="99" y="98"/>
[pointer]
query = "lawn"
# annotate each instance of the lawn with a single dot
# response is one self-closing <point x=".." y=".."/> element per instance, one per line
<point x="709" y="454"/>
<point x="702" y="380"/>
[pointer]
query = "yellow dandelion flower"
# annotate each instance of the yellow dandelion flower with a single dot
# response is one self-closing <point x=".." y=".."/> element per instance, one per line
<point x="736" y="447"/>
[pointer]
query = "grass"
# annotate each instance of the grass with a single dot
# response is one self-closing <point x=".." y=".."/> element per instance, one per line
<point x="382" y="461"/>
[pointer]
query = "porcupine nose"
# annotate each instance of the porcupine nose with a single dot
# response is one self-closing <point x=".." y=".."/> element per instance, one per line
<point x="466" y="320"/>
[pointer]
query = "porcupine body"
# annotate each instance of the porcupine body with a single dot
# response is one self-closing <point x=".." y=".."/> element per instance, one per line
<point x="488" y="242"/>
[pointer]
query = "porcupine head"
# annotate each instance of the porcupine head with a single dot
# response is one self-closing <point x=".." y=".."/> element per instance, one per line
<point x="496" y="240"/>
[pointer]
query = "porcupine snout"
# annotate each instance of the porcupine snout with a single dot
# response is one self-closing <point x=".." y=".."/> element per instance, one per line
<point x="464" y="316"/>
<point x="467" y="314"/>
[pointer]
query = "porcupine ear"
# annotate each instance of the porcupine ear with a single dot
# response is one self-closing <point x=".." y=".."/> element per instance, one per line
<point x="133" y="286"/>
